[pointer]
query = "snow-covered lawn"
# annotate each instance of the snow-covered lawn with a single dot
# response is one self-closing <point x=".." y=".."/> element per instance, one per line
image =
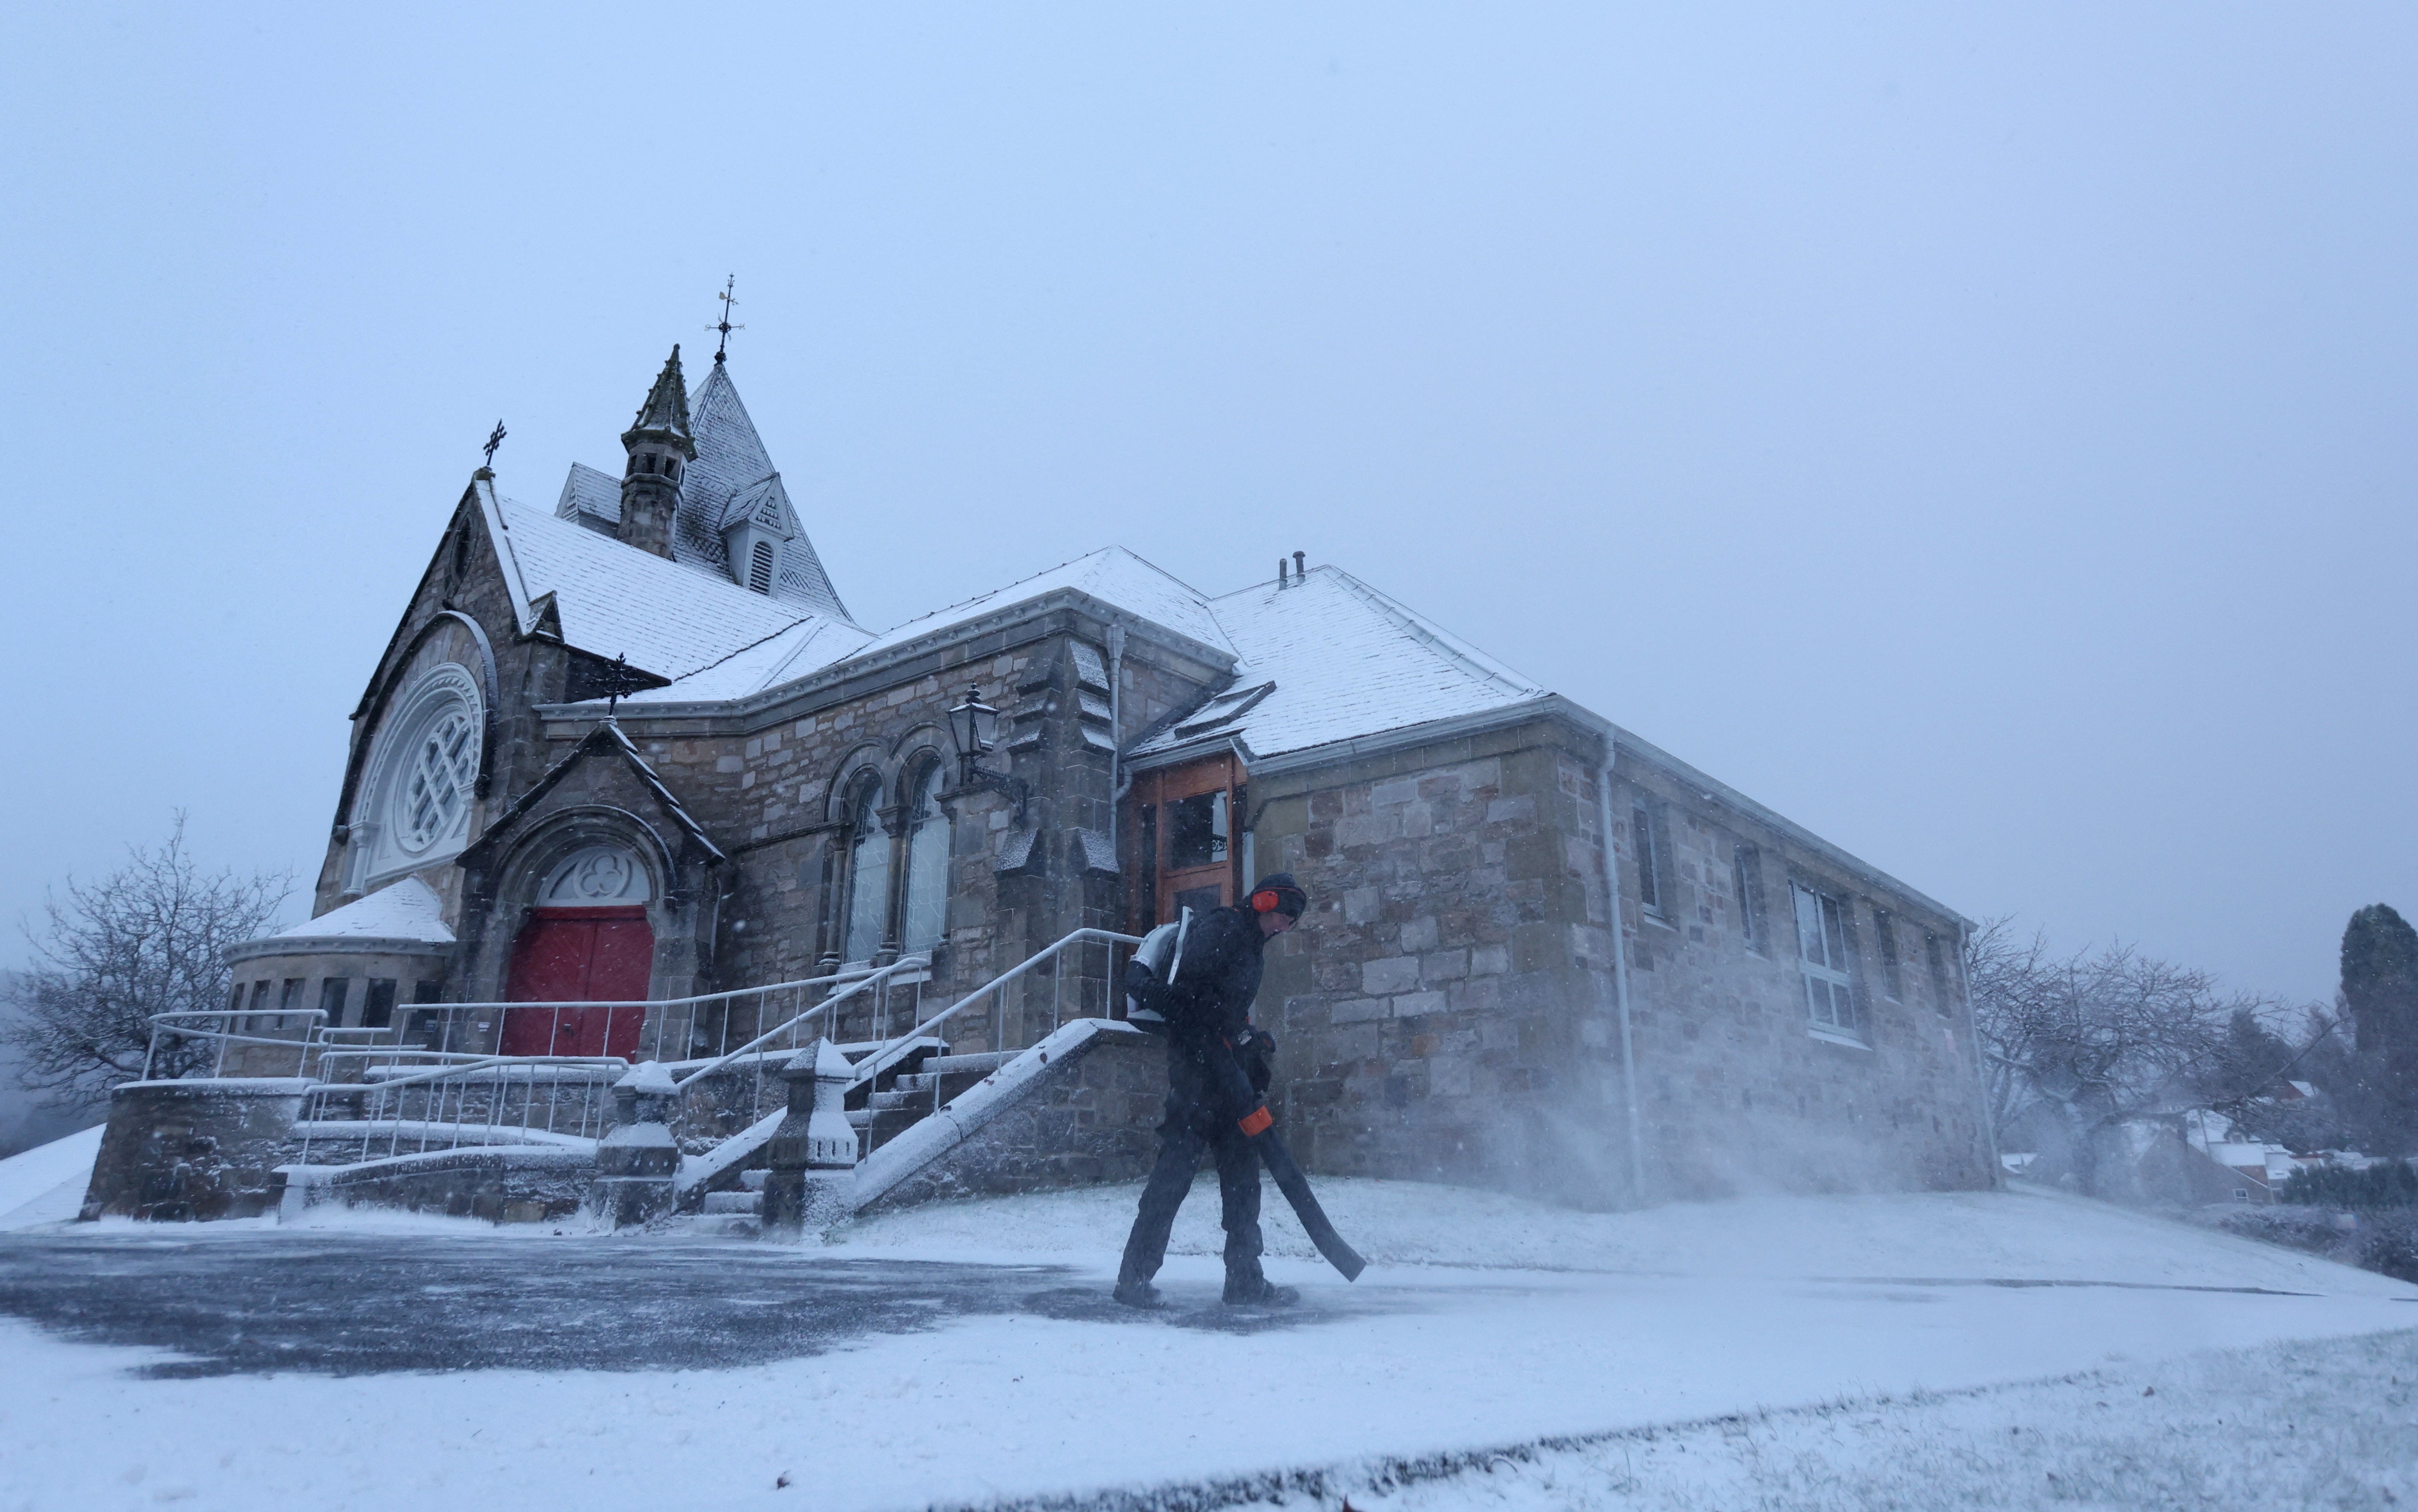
<point x="1485" y="1325"/>
<point x="2287" y="1426"/>
<point x="45" y="1185"/>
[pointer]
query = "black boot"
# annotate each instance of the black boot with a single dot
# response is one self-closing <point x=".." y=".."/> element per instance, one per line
<point x="1136" y="1292"/>
<point x="1249" y="1287"/>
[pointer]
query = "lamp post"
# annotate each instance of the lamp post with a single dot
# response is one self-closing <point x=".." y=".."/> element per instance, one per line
<point x="973" y="724"/>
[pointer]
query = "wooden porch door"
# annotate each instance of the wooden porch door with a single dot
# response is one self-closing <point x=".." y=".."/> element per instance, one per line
<point x="570" y="955"/>
<point x="1185" y="828"/>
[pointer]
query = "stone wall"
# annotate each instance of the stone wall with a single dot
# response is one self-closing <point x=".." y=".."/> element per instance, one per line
<point x="1436" y="1011"/>
<point x="193" y="1150"/>
<point x="1740" y="1091"/>
<point x="1450" y="1010"/>
<point x="521" y="1185"/>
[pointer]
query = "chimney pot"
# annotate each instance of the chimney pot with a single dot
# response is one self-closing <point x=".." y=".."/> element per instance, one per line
<point x="1298" y="569"/>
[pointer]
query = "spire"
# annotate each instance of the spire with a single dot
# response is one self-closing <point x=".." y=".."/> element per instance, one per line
<point x="665" y="415"/>
<point x="659" y="443"/>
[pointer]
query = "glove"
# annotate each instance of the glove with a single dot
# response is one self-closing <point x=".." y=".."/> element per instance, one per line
<point x="1256" y="1050"/>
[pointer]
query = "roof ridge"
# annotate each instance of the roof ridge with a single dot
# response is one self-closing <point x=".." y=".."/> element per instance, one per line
<point x="1010" y="587"/>
<point x="1492" y="668"/>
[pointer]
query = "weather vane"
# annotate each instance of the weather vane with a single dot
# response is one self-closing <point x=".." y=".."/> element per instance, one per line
<point x="724" y="324"/>
<point x="494" y="439"/>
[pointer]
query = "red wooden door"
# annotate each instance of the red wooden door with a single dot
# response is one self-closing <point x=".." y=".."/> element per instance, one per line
<point x="571" y="956"/>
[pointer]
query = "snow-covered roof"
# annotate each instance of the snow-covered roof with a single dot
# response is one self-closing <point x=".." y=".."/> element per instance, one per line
<point x="1331" y="659"/>
<point x="408" y="909"/>
<point x="1112" y="574"/>
<point x="668" y="618"/>
<point x="801" y="650"/>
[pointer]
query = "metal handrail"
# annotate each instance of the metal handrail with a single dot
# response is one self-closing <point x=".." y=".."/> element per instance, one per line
<point x="891" y="1050"/>
<point x="509" y="1061"/>
<point x="878" y="977"/>
<point x="312" y="1019"/>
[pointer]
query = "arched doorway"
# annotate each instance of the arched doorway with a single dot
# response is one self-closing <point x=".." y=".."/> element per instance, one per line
<point x="586" y="941"/>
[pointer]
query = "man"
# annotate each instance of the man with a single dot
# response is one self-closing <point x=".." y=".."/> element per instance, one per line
<point x="1218" y="1074"/>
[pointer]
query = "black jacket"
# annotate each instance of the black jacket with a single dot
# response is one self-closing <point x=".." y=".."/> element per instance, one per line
<point x="1218" y="976"/>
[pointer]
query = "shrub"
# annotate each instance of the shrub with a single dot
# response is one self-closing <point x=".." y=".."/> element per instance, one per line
<point x="2388" y="1244"/>
<point x="2295" y="1228"/>
<point x="2387" y="1185"/>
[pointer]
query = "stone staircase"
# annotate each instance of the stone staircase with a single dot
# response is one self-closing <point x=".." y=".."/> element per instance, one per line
<point x="918" y="1084"/>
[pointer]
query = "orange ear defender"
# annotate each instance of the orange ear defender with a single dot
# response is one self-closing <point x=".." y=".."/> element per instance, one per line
<point x="1266" y="900"/>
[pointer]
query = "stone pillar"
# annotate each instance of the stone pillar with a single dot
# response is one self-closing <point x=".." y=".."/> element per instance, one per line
<point x="636" y="1163"/>
<point x="813" y="1153"/>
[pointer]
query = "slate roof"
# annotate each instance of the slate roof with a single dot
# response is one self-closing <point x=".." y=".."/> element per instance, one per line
<point x="409" y="909"/>
<point x="1327" y="659"/>
<point x="1332" y="659"/>
<point x="731" y="478"/>
<point x="668" y="618"/>
<point x="1113" y="575"/>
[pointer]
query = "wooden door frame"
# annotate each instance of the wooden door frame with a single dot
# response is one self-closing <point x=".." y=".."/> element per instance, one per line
<point x="1148" y="835"/>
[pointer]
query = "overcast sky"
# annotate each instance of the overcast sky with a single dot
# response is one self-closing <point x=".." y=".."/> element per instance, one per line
<point x="1982" y="433"/>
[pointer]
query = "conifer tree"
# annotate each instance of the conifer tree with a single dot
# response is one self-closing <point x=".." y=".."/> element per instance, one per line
<point x="2379" y="989"/>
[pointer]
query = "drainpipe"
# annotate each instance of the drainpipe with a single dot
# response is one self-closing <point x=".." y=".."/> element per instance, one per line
<point x="1981" y="1067"/>
<point x="1116" y="734"/>
<point x="1620" y="971"/>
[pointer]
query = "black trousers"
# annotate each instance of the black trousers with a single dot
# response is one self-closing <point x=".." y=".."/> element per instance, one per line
<point x="1209" y="1091"/>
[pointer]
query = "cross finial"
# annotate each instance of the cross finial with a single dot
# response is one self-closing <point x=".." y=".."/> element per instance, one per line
<point x="494" y="439"/>
<point x="619" y="682"/>
<point x="724" y="324"/>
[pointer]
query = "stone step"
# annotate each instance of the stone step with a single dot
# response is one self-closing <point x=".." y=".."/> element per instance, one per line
<point x="753" y="1181"/>
<point x="733" y="1201"/>
<point x="982" y="1063"/>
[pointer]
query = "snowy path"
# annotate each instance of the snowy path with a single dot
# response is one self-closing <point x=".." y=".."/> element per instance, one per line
<point x="1015" y="1381"/>
<point x="1022" y="1402"/>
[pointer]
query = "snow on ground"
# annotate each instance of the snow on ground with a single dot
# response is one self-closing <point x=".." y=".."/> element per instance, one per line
<point x="1485" y="1325"/>
<point x="46" y="1184"/>
<point x="2245" y="1431"/>
<point x="2032" y="1233"/>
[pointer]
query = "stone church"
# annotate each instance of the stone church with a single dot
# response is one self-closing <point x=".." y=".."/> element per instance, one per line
<point x="636" y="746"/>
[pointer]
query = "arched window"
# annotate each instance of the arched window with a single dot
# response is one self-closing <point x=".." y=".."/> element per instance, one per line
<point x="869" y="869"/>
<point x="928" y="865"/>
<point x="759" y="568"/>
<point x="444" y="765"/>
<point x="421" y="780"/>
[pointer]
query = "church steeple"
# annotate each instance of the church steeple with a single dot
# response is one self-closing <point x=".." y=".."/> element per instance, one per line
<point x="660" y="444"/>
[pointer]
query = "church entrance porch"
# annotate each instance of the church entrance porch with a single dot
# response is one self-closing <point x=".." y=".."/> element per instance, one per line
<point x="565" y="957"/>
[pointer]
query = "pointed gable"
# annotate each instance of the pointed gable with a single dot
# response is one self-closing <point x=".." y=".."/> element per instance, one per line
<point x="731" y="479"/>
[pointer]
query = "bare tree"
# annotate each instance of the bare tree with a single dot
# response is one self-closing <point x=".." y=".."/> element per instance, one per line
<point x="2100" y="1037"/>
<point x="150" y="938"/>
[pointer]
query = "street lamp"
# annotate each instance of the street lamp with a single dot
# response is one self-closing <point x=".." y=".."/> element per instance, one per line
<point x="973" y="724"/>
